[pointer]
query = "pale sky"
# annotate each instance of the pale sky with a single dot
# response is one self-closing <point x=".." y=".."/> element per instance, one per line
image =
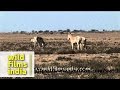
<point x="56" y="20"/>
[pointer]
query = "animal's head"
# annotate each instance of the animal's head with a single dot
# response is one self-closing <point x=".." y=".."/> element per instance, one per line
<point x="33" y="39"/>
<point x="69" y="35"/>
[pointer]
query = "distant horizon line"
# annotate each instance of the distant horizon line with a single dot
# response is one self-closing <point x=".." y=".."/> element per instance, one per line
<point x="5" y="31"/>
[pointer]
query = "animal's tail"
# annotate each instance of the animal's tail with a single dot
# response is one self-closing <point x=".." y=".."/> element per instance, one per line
<point x="85" y="43"/>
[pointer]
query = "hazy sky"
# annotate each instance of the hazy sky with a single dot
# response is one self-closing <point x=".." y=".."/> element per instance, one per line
<point x="55" y="20"/>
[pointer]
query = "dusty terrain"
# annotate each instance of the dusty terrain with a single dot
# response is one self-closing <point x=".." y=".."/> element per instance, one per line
<point x="102" y="56"/>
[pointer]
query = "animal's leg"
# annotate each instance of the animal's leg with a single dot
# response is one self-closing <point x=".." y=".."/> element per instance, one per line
<point x="72" y="45"/>
<point x="82" y="46"/>
<point x="78" y="46"/>
<point x="39" y="45"/>
<point x="34" y="44"/>
<point x="85" y="47"/>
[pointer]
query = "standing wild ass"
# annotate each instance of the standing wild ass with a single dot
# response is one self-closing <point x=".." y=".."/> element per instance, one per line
<point x="38" y="40"/>
<point x="81" y="41"/>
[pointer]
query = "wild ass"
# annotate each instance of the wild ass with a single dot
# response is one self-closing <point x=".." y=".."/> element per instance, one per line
<point x="39" y="41"/>
<point x="81" y="41"/>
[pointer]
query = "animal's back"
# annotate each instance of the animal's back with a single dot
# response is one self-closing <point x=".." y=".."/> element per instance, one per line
<point x="78" y="38"/>
<point x="81" y="39"/>
<point x="39" y="39"/>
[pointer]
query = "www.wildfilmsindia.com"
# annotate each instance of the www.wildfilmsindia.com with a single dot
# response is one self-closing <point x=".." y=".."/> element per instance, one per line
<point x="73" y="69"/>
<point x="61" y="69"/>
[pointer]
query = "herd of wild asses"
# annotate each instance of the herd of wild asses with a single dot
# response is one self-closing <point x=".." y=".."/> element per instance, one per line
<point x="80" y="40"/>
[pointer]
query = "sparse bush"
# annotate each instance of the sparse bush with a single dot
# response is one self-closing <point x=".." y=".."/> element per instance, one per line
<point x="61" y="32"/>
<point x="64" y="58"/>
<point x="113" y="56"/>
<point x="94" y="30"/>
<point x="15" y="32"/>
<point x="46" y="31"/>
<point x="40" y="31"/>
<point x="55" y="63"/>
<point x="75" y="31"/>
<point x="67" y="51"/>
<point x="113" y="50"/>
<point x="51" y="32"/>
<point x="23" y="32"/>
<point x="93" y="64"/>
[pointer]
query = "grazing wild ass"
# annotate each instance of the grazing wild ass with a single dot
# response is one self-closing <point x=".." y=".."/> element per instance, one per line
<point x="39" y="41"/>
<point x="81" y="41"/>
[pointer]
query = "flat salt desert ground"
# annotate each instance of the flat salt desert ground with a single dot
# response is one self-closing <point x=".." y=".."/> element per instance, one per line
<point x="102" y="56"/>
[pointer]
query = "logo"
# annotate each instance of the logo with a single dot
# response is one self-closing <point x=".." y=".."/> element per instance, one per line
<point x="17" y="64"/>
